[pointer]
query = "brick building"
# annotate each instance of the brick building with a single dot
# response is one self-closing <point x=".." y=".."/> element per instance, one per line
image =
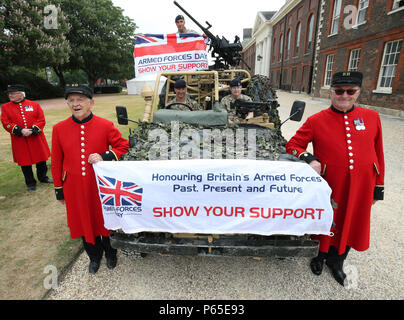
<point x="256" y="51"/>
<point x="248" y="56"/>
<point x="293" y="45"/>
<point x="248" y="53"/>
<point x="367" y="36"/>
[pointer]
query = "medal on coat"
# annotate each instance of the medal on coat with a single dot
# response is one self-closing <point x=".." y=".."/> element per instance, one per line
<point x="359" y="124"/>
<point x="29" y="108"/>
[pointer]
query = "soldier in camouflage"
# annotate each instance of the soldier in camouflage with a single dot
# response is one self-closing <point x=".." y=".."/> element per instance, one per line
<point x="227" y="101"/>
<point x="180" y="88"/>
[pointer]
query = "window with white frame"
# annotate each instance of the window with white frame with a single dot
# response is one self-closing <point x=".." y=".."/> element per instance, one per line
<point x="362" y="10"/>
<point x="287" y="45"/>
<point x="328" y="70"/>
<point x="335" y="16"/>
<point x="396" y="4"/>
<point x="354" y="60"/>
<point x="281" y="48"/>
<point x="310" y="33"/>
<point x="387" y="72"/>
<point x="297" y="43"/>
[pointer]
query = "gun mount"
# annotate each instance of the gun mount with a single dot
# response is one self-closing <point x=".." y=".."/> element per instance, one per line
<point x="243" y="107"/>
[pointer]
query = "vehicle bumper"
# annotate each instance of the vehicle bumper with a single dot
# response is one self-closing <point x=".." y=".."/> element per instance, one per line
<point x="212" y="245"/>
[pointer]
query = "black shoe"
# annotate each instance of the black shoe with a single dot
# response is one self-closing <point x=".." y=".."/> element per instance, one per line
<point x="316" y="266"/>
<point x="47" y="180"/>
<point x="111" y="262"/>
<point x="337" y="273"/>
<point x="93" y="267"/>
<point x="31" y="188"/>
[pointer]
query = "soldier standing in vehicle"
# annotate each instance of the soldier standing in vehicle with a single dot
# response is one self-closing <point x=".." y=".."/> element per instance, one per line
<point x="180" y="89"/>
<point x="228" y="101"/>
<point x="348" y="153"/>
<point x="180" y="23"/>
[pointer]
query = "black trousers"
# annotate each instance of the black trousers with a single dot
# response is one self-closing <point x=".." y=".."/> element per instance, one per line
<point x="95" y="251"/>
<point x="333" y="258"/>
<point x="41" y="170"/>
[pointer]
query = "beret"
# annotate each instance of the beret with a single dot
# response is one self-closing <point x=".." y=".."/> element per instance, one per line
<point x="15" y="87"/>
<point x="235" y="83"/>
<point x="180" y="83"/>
<point x="179" y="17"/>
<point x="347" y="77"/>
<point x="79" y="88"/>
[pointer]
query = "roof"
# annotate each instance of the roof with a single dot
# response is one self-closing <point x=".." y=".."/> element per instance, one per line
<point x="267" y="14"/>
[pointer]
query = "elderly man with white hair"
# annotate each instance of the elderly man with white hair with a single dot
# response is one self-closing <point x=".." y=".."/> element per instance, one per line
<point x="25" y="121"/>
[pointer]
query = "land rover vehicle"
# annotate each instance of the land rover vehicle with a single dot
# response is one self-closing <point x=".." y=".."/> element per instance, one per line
<point x="207" y="88"/>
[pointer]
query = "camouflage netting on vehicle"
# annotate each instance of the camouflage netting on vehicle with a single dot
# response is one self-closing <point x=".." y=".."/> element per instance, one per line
<point x="260" y="89"/>
<point x="151" y="141"/>
<point x="156" y="141"/>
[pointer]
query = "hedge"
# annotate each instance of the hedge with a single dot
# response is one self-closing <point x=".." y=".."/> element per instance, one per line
<point x="107" y="89"/>
<point x="35" y="87"/>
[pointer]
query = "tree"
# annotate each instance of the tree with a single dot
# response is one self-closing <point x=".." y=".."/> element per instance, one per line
<point x="30" y="37"/>
<point x="101" y="39"/>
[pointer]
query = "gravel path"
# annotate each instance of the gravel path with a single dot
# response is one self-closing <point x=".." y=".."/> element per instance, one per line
<point x="375" y="274"/>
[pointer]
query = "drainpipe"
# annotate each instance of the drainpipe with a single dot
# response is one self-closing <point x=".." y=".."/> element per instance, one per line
<point x="310" y="89"/>
<point x="283" y="45"/>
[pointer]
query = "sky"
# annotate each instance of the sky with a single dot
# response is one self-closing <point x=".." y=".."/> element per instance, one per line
<point x="228" y="18"/>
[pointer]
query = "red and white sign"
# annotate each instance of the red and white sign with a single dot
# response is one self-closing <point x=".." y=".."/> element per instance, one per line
<point x="214" y="196"/>
<point x="156" y="53"/>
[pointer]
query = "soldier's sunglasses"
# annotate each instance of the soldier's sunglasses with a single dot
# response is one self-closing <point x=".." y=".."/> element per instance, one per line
<point x="340" y="92"/>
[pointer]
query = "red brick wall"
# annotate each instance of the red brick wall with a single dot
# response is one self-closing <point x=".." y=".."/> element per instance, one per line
<point x="249" y="57"/>
<point x="380" y="27"/>
<point x="295" y="68"/>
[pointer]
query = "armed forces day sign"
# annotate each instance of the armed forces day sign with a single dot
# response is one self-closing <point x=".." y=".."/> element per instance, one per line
<point x="156" y="53"/>
<point x="214" y="196"/>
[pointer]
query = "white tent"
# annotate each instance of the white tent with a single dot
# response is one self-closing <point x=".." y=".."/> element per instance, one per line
<point x="135" y="85"/>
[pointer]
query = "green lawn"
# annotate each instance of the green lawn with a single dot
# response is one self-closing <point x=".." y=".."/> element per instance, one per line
<point x="33" y="229"/>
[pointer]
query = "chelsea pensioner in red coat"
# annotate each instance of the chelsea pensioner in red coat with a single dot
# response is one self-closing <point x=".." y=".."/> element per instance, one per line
<point x="25" y="121"/>
<point x="348" y="153"/>
<point x="77" y="142"/>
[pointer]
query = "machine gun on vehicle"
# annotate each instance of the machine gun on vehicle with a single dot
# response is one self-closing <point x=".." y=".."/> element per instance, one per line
<point x="226" y="54"/>
<point x="265" y="112"/>
<point x="243" y="107"/>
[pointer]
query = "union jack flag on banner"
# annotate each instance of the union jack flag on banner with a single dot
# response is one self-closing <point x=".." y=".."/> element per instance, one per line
<point x="156" y="53"/>
<point x="114" y="192"/>
<point x="189" y="196"/>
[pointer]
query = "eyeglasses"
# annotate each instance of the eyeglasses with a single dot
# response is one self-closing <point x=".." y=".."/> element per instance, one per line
<point x="340" y="92"/>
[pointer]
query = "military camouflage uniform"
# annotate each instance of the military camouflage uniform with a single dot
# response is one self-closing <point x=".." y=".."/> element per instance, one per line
<point x="188" y="31"/>
<point x="226" y="104"/>
<point x="191" y="102"/>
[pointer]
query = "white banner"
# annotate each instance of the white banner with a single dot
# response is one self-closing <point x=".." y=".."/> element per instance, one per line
<point x="156" y="53"/>
<point x="214" y="196"/>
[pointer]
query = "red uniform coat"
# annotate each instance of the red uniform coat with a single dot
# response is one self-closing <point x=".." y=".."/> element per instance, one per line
<point x="350" y="149"/>
<point x="72" y="143"/>
<point x="25" y="114"/>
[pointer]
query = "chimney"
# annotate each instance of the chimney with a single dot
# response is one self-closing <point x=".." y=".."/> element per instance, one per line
<point x="247" y="33"/>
